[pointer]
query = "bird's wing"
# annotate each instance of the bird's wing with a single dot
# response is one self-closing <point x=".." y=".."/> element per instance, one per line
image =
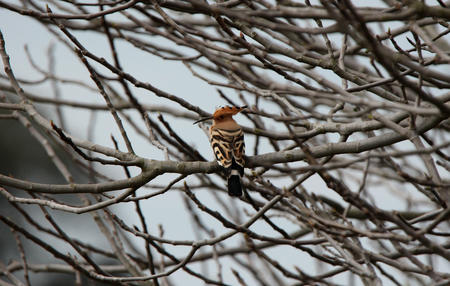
<point x="222" y="147"/>
<point x="239" y="148"/>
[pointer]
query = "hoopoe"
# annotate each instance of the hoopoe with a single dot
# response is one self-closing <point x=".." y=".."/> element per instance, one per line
<point x="227" y="142"/>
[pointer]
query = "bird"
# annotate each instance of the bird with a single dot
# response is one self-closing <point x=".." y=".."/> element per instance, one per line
<point x="227" y="141"/>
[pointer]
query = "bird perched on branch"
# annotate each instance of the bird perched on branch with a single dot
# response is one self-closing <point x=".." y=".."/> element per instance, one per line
<point x="227" y="142"/>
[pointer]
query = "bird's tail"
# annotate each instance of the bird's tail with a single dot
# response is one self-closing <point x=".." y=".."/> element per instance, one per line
<point x="234" y="183"/>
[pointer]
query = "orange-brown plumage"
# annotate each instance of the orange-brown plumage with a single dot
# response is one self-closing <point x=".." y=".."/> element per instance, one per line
<point x="227" y="111"/>
<point x="227" y="142"/>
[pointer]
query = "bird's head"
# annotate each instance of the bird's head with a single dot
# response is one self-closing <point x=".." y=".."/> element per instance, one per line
<point x="223" y="113"/>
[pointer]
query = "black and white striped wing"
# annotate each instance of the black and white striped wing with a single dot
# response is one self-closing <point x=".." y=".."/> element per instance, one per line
<point x="222" y="146"/>
<point x="239" y="148"/>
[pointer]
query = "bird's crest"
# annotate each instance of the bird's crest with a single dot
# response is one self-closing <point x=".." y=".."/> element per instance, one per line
<point x="222" y="112"/>
<point x="228" y="110"/>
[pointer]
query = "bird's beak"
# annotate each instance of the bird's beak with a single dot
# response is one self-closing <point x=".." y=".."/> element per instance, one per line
<point x="203" y="119"/>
